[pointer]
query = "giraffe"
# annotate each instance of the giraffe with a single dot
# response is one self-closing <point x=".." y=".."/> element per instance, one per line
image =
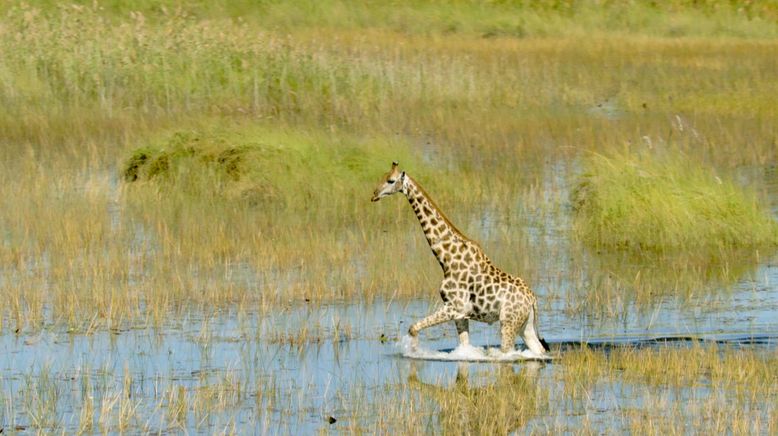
<point x="472" y="287"/>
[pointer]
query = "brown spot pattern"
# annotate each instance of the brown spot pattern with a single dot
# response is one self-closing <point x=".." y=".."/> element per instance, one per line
<point x="472" y="288"/>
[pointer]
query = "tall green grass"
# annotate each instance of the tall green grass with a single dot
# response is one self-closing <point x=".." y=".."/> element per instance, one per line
<point x="513" y="18"/>
<point x="73" y="74"/>
<point x="294" y="176"/>
<point x="645" y="201"/>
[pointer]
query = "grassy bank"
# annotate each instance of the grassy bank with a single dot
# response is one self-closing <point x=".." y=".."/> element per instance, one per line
<point x="649" y="200"/>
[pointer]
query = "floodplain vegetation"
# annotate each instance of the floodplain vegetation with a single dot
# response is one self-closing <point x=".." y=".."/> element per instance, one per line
<point x="680" y="390"/>
<point x="628" y="390"/>
<point x="165" y="159"/>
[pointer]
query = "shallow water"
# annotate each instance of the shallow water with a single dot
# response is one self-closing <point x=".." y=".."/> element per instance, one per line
<point x="468" y="353"/>
<point x="274" y="385"/>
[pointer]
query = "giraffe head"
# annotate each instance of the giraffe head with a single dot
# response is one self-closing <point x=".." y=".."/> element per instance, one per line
<point x="391" y="183"/>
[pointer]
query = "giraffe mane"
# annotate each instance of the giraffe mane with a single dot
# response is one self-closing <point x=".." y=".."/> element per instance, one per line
<point x="440" y="211"/>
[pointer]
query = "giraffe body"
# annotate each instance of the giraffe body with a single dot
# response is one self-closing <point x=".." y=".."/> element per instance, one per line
<point x="472" y="287"/>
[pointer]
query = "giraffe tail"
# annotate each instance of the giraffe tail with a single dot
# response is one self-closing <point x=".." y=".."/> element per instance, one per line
<point x="537" y="330"/>
<point x="544" y="344"/>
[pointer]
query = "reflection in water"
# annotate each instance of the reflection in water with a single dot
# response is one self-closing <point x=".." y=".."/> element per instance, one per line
<point x="500" y="406"/>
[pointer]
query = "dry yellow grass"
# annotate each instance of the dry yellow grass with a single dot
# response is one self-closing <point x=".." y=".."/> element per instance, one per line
<point x="491" y="126"/>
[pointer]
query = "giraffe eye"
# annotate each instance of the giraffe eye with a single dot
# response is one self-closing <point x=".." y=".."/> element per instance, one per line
<point x="390" y="181"/>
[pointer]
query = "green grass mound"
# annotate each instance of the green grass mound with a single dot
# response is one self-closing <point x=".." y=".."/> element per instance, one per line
<point x="256" y="166"/>
<point x="661" y="203"/>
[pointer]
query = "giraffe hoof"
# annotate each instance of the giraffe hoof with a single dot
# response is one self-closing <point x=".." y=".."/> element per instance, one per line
<point x="414" y="343"/>
<point x="409" y="345"/>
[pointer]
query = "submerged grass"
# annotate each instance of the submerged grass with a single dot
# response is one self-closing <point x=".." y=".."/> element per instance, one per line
<point x="678" y="389"/>
<point x="701" y="388"/>
<point x="641" y="390"/>
<point x="633" y="390"/>
<point x="645" y="201"/>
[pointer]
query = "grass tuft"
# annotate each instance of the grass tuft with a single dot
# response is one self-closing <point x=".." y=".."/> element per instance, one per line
<point x="257" y="166"/>
<point x="659" y="202"/>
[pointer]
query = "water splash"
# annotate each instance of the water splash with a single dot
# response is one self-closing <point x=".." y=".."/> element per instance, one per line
<point x="465" y="353"/>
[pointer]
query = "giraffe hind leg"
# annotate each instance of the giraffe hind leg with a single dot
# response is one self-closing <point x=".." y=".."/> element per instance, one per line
<point x="508" y="330"/>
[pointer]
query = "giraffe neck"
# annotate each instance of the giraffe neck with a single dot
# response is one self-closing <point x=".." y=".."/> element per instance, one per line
<point x="444" y="238"/>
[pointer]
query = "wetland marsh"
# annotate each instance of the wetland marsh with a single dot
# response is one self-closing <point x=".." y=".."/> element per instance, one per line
<point x="188" y="245"/>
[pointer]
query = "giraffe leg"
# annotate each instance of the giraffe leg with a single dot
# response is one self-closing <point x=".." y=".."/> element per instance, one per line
<point x="530" y="335"/>
<point x="508" y="329"/>
<point x="512" y="319"/>
<point x="463" y="369"/>
<point x="463" y="326"/>
<point x="445" y="313"/>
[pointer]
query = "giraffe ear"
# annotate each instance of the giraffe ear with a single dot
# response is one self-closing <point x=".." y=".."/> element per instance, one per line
<point x="402" y="176"/>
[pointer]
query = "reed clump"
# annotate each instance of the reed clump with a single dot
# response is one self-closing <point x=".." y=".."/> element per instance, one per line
<point x="255" y="166"/>
<point x="645" y="201"/>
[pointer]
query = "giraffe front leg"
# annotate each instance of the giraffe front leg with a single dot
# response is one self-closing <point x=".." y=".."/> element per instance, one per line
<point x="463" y="326"/>
<point x="445" y="313"/>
